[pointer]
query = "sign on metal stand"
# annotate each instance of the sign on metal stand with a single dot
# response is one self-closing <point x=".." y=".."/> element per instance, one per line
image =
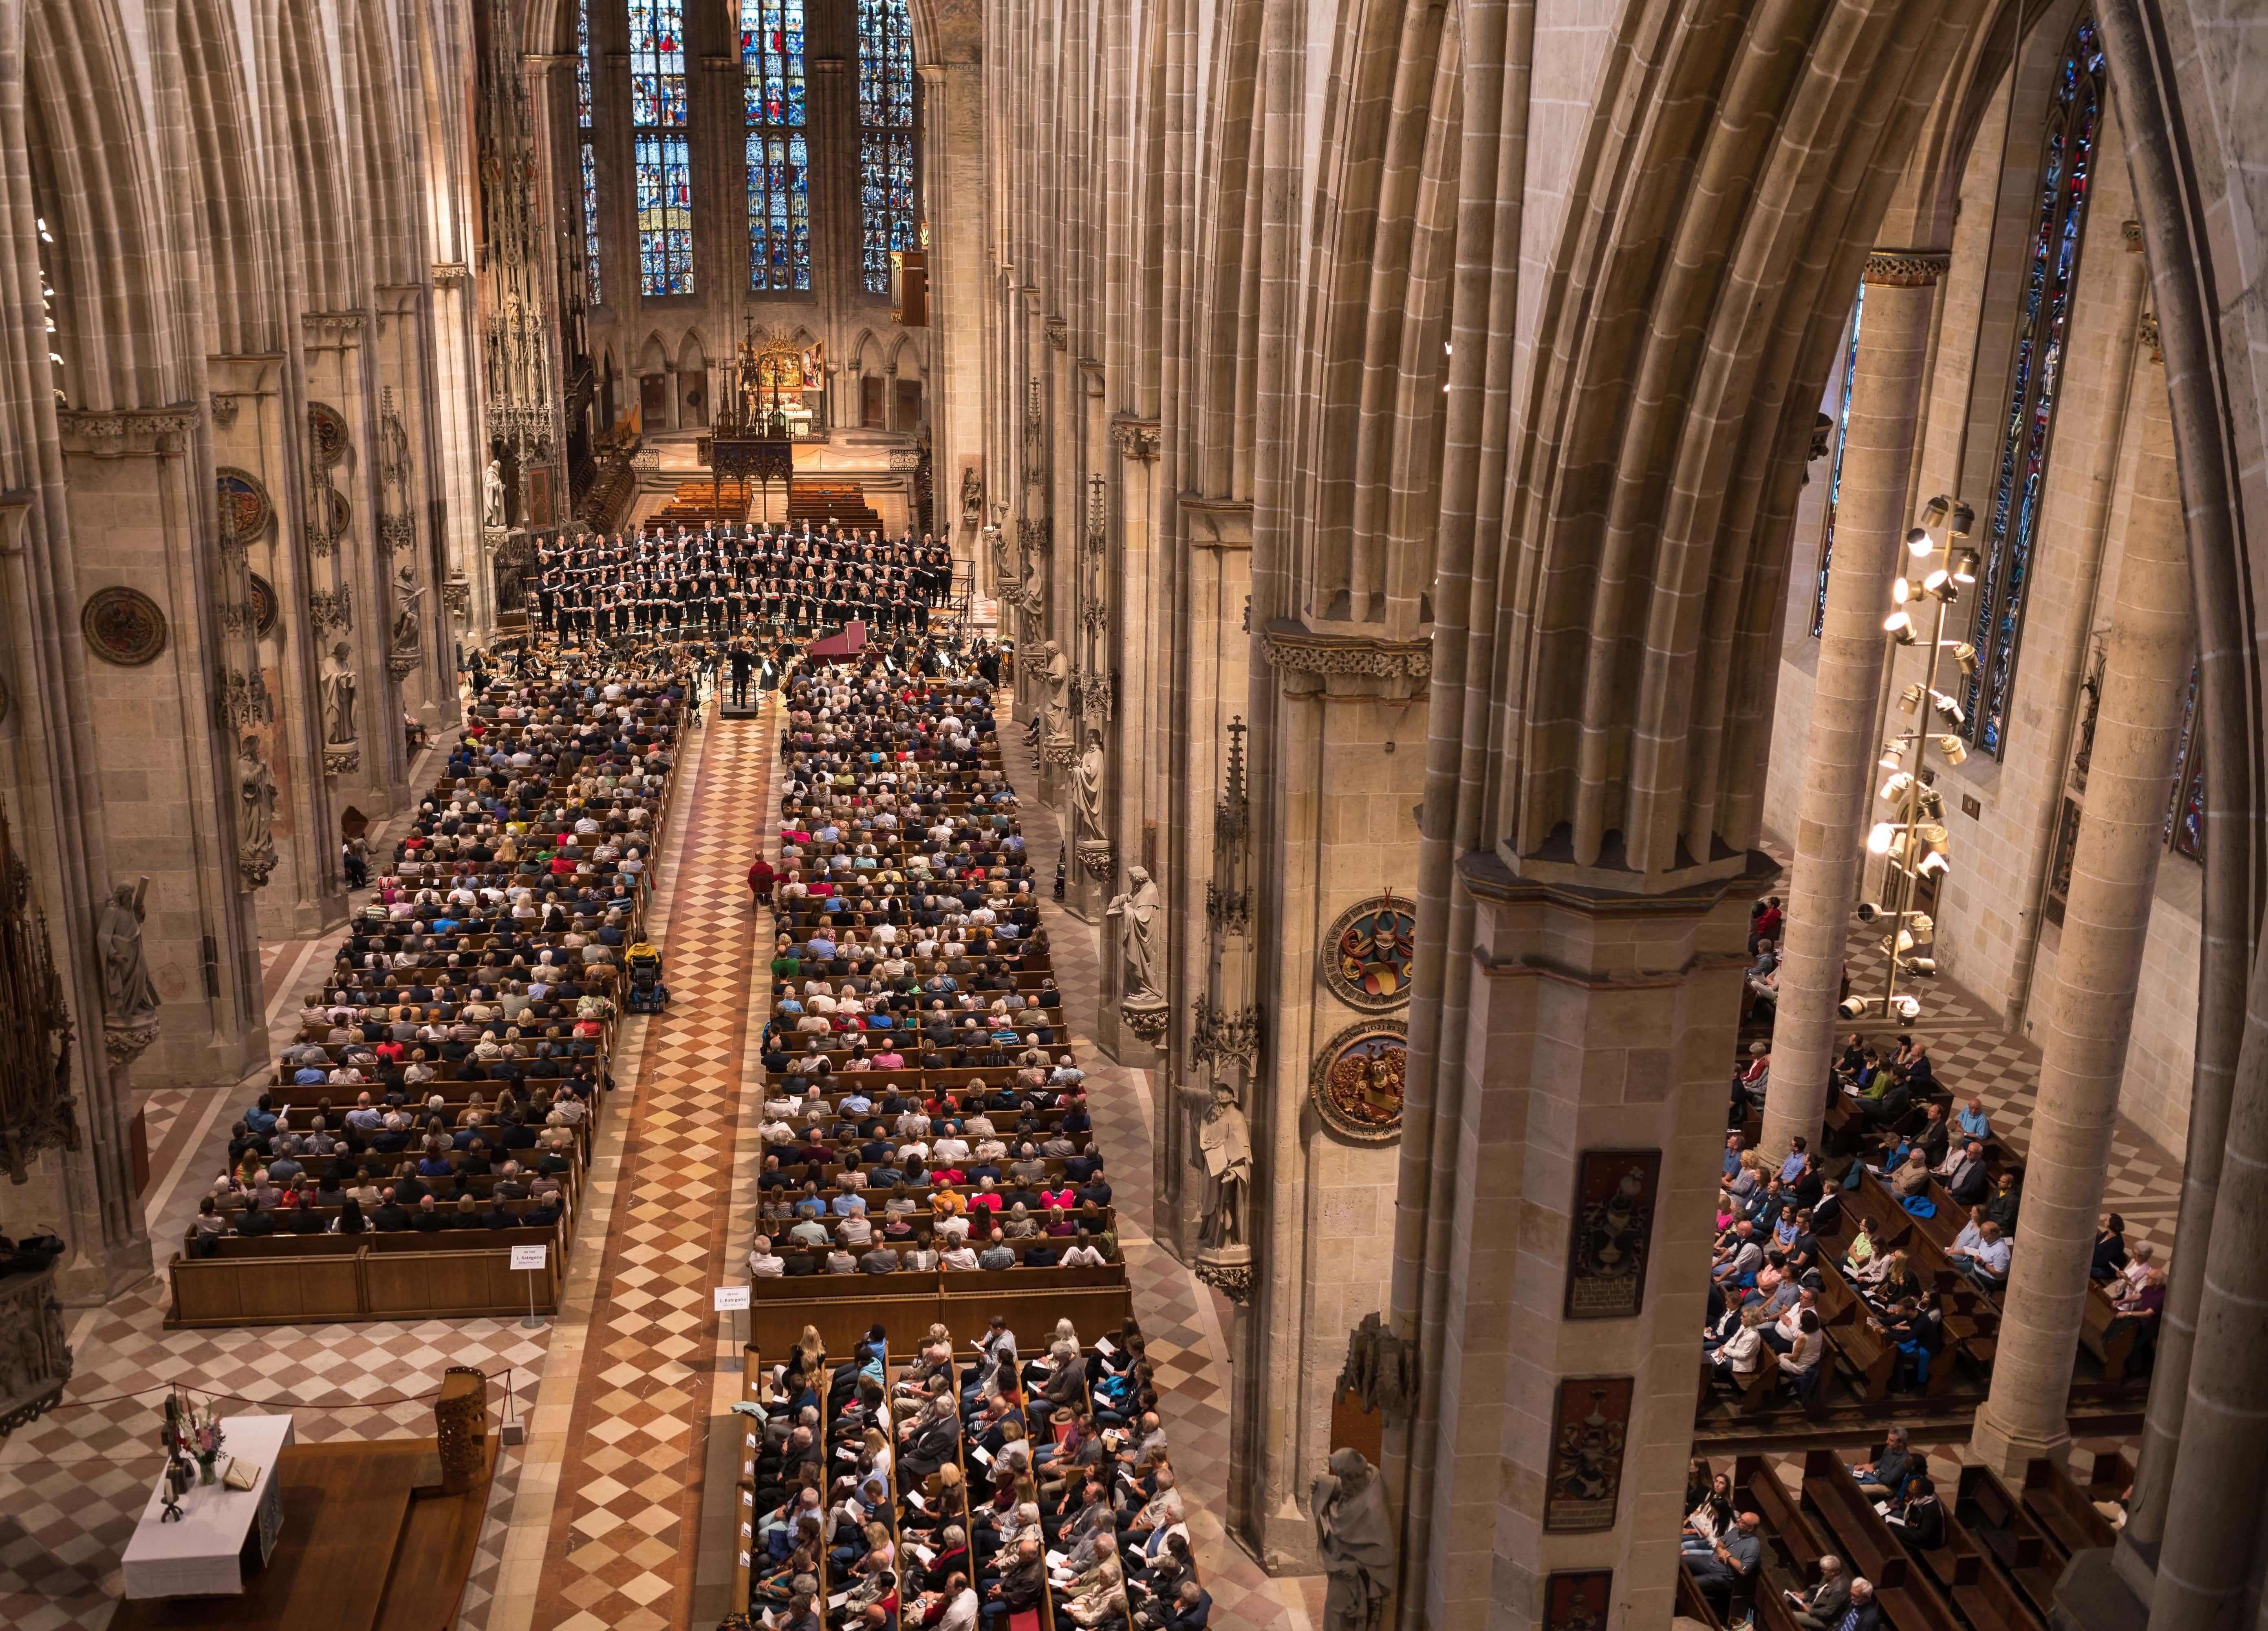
<point x="531" y="1258"/>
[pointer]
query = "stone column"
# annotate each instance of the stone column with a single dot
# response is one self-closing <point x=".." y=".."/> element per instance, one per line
<point x="1898" y="297"/>
<point x="2106" y="922"/>
<point x="1595" y="1040"/>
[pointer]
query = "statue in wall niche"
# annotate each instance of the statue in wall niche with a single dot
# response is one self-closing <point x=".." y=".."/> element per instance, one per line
<point x="130" y="996"/>
<point x="1087" y="787"/>
<point x="337" y="684"/>
<point x="972" y="496"/>
<point x="1136" y="911"/>
<point x="1225" y="1154"/>
<point x="255" y="805"/>
<point x="1058" y="669"/>
<point x="408" y="633"/>
<point x="1356" y="1538"/>
<point x="493" y="494"/>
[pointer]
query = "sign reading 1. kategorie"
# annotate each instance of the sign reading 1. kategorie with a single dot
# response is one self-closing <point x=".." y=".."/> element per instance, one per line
<point x="732" y="1299"/>
<point x="529" y="1256"/>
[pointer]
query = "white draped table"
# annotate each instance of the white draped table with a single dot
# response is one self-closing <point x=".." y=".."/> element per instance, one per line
<point x="201" y="1555"/>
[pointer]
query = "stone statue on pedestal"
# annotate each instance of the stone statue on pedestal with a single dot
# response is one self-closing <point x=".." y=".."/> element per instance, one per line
<point x="130" y="996"/>
<point x="972" y="496"/>
<point x="1058" y="669"/>
<point x="1356" y="1538"/>
<point x="408" y="633"/>
<point x="255" y="813"/>
<point x="1087" y="787"/>
<point x="492" y="495"/>
<point x="1138" y="919"/>
<point x="337" y="684"/>
<point x="1225" y="1154"/>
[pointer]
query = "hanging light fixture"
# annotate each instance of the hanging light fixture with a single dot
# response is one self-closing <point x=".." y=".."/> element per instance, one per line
<point x="1913" y="843"/>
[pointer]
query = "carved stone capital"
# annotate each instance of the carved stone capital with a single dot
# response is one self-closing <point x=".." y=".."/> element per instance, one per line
<point x="1145" y="1020"/>
<point x="1227" y="1270"/>
<point x="1293" y="648"/>
<point x="256" y="867"/>
<point x="457" y="594"/>
<point x="451" y="274"/>
<point x="2147" y="335"/>
<point x="402" y="664"/>
<point x="327" y="330"/>
<point x="1137" y="439"/>
<point x="1099" y="858"/>
<point x="125" y="1044"/>
<point x="1906" y="268"/>
<point x="127" y="432"/>
<point x="2132" y="232"/>
<point x="1057" y="331"/>
<point x="1059" y="750"/>
<point x="223" y="408"/>
<point x="342" y="760"/>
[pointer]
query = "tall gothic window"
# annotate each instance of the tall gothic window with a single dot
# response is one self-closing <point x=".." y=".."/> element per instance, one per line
<point x="589" y="153"/>
<point x="886" y="136"/>
<point x="2185" y="809"/>
<point x="664" y="165"/>
<point x="779" y="188"/>
<point x="2034" y="370"/>
<point x="1835" y="477"/>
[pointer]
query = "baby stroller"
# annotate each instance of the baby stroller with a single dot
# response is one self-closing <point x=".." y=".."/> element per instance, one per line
<point x="647" y="993"/>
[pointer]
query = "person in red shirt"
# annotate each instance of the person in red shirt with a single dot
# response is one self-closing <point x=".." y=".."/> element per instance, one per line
<point x="761" y="879"/>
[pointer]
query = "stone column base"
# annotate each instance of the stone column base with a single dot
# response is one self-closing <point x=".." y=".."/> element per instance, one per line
<point x="2007" y="1453"/>
<point x="2093" y="1597"/>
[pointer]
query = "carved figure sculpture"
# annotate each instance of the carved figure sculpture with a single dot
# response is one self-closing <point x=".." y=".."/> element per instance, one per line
<point x="1137" y="923"/>
<point x="972" y="496"/>
<point x="1356" y="1538"/>
<point x="337" y="684"/>
<point x="1087" y="787"/>
<point x="408" y="634"/>
<point x="130" y="996"/>
<point x="1225" y="1154"/>
<point x="493" y="494"/>
<point x="255" y="807"/>
<point x="1058" y="674"/>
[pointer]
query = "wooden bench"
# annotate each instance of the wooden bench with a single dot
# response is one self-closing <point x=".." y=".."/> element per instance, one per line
<point x="377" y="1279"/>
<point x="2062" y="1509"/>
<point x="1999" y="1526"/>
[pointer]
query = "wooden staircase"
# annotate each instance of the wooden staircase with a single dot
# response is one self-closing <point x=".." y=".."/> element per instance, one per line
<point x="697" y="504"/>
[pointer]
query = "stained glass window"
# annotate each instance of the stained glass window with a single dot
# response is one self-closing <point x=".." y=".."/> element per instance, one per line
<point x="779" y="188"/>
<point x="2185" y="809"/>
<point x="886" y="136"/>
<point x="662" y="163"/>
<point x="2051" y="275"/>
<point x="1835" y="477"/>
<point x="589" y="171"/>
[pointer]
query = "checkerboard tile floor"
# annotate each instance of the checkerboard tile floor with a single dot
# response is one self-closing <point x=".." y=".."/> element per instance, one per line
<point x="624" y="1525"/>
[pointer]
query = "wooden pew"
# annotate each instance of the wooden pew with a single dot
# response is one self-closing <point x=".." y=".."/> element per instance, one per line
<point x="1864" y="1541"/>
<point x="2062" y="1509"/>
<point x="1998" y="1524"/>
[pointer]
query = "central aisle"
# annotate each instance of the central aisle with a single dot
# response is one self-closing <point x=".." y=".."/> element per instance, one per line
<point x="626" y="1473"/>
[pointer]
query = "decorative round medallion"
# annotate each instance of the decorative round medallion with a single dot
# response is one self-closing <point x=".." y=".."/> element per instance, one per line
<point x="329" y="429"/>
<point x="123" y="625"/>
<point x="263" y="605"/>
<point x="1356" y="1080"/>
<point x="1367" y="957"/>
<point x="245" y="507"/>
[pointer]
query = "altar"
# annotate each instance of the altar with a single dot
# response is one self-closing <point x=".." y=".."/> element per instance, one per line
<point x="223" y="1533"/>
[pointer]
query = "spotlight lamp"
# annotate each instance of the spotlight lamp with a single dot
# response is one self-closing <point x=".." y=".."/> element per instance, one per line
<point x="1915" y="848"/>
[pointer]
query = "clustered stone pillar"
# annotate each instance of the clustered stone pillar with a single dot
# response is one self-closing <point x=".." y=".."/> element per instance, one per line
<point x="2106" y="923"/>
<point x="1898" y="297"/>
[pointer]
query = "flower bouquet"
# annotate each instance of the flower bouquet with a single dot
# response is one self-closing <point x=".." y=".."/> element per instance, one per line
<point x="194" y="1432"/>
